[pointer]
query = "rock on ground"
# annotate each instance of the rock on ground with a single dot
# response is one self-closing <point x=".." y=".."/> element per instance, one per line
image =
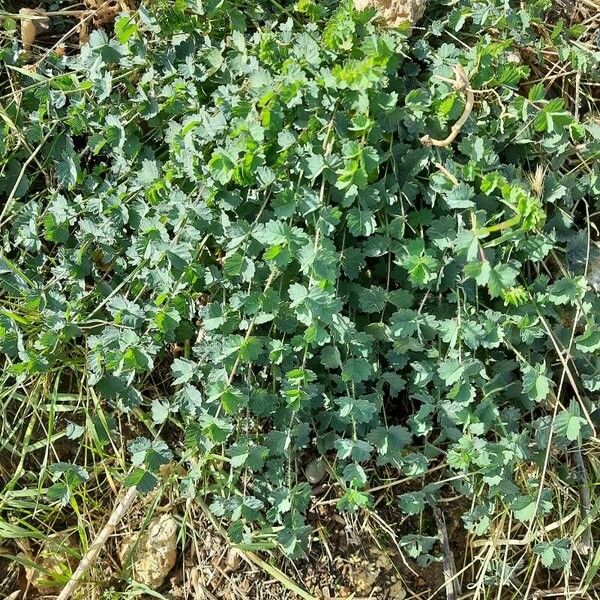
<point x="153" y="552"/>
<point x="393" y="13"/>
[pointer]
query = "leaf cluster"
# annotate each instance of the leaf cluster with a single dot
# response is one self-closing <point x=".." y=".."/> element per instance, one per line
<point x="236" y="203"/>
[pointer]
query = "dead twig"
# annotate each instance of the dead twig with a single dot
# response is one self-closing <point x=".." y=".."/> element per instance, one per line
<point x="587" y="541"/>
<point x="447" y="173"/>
<point x="88" y="560"/>
<point x="452" y="583"/>
<point x="460" y="85"/>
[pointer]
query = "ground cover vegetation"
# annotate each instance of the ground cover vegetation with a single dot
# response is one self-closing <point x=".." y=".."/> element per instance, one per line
<point x="254" y="250"/>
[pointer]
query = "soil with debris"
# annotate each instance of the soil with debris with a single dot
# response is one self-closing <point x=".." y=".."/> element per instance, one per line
<point x="59" y="30"/>
<point x="348" y="558"/>
<point x="363" y="570"/>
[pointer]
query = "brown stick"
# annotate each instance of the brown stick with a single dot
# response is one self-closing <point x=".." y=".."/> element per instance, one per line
<point x="460" y="85"/>
<point x="451" y="581"/>
<point x="587" y="540"/>
<point x="86" y="562"/>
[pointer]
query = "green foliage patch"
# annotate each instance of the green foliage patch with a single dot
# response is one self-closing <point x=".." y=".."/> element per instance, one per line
<point x="230" y="225"/>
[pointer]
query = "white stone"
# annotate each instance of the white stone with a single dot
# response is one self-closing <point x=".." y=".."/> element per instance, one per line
<point x="153" y="551"/>
<point x="393" y="13"/>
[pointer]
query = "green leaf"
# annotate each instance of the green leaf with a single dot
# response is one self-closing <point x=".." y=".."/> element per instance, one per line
<point x="478" y="270"/>
<point x="361" y="222"/>
<point x="353" y="500"/>
<point x="501" y="277"/>
<point x="589" y="341"/>
<point x="246" y="454"/>
<point x="570" y="422"/>
<point x="536" y="384"/>
<point x="526" y="507"/>
<point x="451" y="371"/>
<point x="143" y="480"/>
<point x="568" y="290"/>
<point x="537" y="92"/>
<point x="183" y="370"/>
<point x="125" y="28"/>
<point x="359" y="409"/>
<point x="355" y="475"/>
<point x="232" y="400"/>
<point x="412" y="503"/>
<point x="356" y="370"/>
<point x="160" y="412"/>
<point x="55" y="232"/>
<point x="459" y="197"/>
<point x="68" y="169"/>
<point x="149" y="173"/>
<point x="422" y="269"/>
<point x="221" y="167"/>
<point x="358" y="450"/>
<point x="215" y="429"/>
<point x="555" y="554"/>
<point x="330" y="357"/>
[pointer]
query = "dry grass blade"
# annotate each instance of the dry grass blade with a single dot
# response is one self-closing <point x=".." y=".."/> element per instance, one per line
<point x="461" y="85"/>
<point x="87" y="561"/>
<point x="453" y="590"/>
<point x="587" y="541"/>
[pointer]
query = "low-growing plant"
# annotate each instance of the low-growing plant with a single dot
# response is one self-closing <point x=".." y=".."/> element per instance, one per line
<point x="231" y="220"/>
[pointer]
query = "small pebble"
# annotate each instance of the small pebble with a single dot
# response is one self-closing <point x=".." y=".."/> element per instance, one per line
<point x="315" y="471"/>
<point x="234" y="561"/>
<point x="36" y="23"/>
